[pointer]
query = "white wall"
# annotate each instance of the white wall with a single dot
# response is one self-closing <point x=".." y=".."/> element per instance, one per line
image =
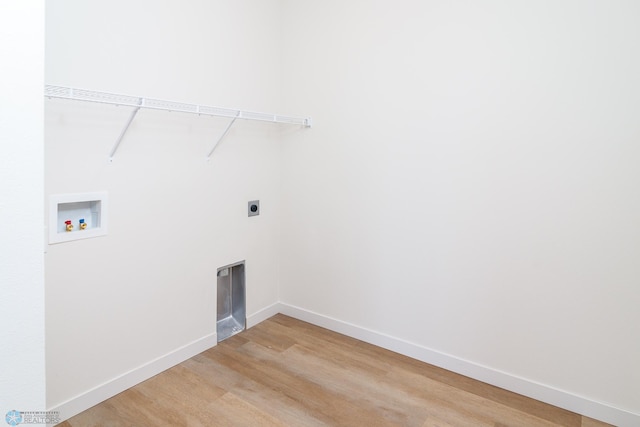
<point x="117" y="304"/>
<point x="470" y="184"/>
<point x="22" y="377"/>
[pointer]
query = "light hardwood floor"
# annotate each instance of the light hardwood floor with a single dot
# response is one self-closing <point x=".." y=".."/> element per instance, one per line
<point x="284" y="372"/>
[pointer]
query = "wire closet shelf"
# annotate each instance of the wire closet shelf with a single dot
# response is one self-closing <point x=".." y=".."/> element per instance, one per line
<point x="159" y="104"/>
<point x="137" y="103"/>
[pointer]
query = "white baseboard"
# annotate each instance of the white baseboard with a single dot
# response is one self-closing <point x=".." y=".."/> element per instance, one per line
<point x="263" y="314"/>
<point x="541" y="392"/>
<point x="127" y="380"/>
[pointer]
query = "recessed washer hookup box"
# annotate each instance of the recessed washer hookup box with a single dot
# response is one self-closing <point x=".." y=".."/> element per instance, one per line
<point x="77" y="216"/>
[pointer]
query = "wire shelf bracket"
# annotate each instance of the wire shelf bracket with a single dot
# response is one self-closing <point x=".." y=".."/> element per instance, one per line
<point x="137" y="103"/>
<point x="226" y="131"/>
<point x="124" y="131"/>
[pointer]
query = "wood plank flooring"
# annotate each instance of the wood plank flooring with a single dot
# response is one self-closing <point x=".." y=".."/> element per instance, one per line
<point x="284" y="372"/>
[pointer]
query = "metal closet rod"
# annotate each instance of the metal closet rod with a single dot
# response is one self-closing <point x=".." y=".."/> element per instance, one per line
<point x="137" y="103"/>
<point x="62" y="92"/>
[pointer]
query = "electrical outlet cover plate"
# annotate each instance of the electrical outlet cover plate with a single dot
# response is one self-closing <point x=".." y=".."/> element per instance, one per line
<point x="254" y="208"/>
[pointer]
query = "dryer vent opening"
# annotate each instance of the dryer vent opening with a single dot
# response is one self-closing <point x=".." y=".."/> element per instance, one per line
<point x="232" y="317"/>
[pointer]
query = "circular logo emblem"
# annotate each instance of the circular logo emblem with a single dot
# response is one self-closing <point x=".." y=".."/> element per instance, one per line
<point x="13" y="418"/>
